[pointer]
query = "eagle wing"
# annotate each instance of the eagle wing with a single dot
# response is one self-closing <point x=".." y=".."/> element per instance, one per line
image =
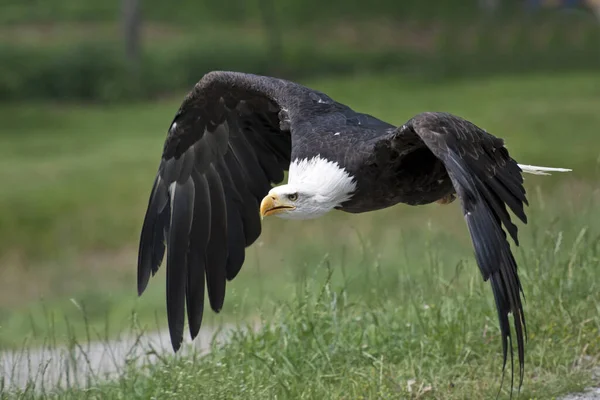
<point x="486" y="180"/>
<point x="229" y="141"/>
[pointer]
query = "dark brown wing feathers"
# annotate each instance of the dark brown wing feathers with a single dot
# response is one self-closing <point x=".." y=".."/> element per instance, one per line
<point x="486" y="180"/>
<point x="223" y="151"/>
<point x="196" y="256"/>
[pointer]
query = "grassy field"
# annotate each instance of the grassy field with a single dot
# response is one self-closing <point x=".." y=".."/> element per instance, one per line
<point x="400" y="313"/>
<point x="420" y="328"/>
<point x="404" y="300"/>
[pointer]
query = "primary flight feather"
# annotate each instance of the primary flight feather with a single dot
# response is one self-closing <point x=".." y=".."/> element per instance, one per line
<point x="236" y="134"/>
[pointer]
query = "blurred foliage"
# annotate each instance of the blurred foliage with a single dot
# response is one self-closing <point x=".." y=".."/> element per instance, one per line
<point x="79" y="54"/>
<point x="194" y="12"/>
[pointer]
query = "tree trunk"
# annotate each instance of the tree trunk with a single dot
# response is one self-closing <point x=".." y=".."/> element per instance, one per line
<point x="131" y="31"/>
<point x="489" y="6"/>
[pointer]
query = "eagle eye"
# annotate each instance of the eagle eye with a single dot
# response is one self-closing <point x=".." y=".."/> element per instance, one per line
<point x="293" y="196"/>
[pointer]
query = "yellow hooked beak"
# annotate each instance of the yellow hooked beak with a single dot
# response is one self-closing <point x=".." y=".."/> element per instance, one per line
<point x="272" y="205"/>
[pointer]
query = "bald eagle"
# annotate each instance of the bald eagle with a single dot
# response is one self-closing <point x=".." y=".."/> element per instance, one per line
<point x="235" y="135"/>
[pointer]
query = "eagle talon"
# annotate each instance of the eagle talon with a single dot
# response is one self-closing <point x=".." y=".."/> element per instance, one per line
<point x="447" y="199"/>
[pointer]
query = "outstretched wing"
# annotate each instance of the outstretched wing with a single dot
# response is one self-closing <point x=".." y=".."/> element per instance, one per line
<point x="228" y="142"/>
<point x="487" y="180"/>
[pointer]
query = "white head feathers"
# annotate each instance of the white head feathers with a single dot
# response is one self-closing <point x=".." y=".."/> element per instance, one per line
<point x="319" y="185"/>
<point x="326" y="179"/>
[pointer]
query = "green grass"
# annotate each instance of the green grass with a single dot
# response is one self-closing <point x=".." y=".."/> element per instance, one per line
<point x="75" y="185"/>
<point x="419" y="326"/>
<point x="414" y="320"/>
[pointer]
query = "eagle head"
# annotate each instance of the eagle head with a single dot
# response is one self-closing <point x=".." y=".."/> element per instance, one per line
<point x="315" y="186"/>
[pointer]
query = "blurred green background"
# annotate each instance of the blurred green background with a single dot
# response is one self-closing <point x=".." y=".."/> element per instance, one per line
<point x="88" y="88"/>
<point x="69" y="49"/>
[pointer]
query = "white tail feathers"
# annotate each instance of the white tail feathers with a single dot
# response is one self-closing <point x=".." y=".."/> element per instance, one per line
<point x="532" y="169"/>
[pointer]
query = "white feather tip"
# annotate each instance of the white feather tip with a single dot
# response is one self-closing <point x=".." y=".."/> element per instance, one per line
<point x="535" y="170"/>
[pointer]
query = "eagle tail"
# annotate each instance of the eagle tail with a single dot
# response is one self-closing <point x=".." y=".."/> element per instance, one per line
<point x="535" y="170"/>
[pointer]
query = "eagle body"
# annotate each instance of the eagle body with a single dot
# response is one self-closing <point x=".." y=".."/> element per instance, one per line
<point x="385" y="174"/>
<point x="234" y="137"/>
<point x="386" y="177"/>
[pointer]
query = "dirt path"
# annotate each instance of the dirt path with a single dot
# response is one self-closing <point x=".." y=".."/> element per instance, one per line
<point x="61" y="367"/>
<point x="590" y="393"/>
